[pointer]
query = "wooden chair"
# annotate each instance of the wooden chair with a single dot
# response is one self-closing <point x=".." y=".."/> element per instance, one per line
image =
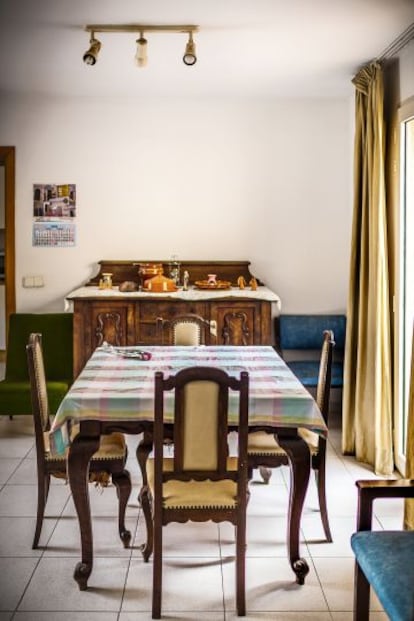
<point x="264" y="452"/>
<point x="383" y="559"/>
<point x="109" y="462"/>
<point x="200" y="482"/>
<point x="189" y="329"/>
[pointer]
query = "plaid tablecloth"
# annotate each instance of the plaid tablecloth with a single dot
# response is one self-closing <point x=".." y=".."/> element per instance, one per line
<point x="116" y="387"/>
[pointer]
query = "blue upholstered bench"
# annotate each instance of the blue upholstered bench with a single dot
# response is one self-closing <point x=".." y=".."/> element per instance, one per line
<point x="384" y="559"/>
<point x="299" y="339"/>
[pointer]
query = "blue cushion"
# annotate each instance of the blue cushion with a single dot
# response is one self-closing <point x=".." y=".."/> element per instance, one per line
<point x="306" y="331"/>
<point x="307" y="371"/>
<point x="386" y="558"/>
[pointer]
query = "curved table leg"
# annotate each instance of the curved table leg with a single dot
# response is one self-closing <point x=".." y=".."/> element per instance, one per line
<point x="80" y="453"/>
<point x="299" y="462"/>
<point x="143" y="450"/>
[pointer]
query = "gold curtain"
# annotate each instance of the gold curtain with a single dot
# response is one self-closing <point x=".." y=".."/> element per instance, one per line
<point x="409" y="504"/>
<point x="367" y="396"/>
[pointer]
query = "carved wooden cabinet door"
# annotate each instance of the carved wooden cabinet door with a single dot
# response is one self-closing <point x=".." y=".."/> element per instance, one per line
<point x="236" y="324"/>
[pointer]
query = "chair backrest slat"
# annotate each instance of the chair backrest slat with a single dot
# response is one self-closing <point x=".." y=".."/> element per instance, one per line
<point x="323" y="389"/>
<point x="38" y="390"/>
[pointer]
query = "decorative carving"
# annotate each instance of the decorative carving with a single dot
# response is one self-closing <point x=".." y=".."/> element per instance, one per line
<point x="108" y="329"/>
<point x="236" y="329"/>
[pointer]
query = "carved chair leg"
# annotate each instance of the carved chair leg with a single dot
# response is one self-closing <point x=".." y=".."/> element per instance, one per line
<point x="145" y="500"/>
<point x="122" y="482"/>
<point x="157" y="574"/>
<point x="361" y="595"/>
<point x="241" y="569"/>
<point x="320" y="483"/>
<point x="43" y="483"/>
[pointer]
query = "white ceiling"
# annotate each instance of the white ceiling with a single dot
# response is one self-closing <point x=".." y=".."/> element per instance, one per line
<point x="245" y="47"/>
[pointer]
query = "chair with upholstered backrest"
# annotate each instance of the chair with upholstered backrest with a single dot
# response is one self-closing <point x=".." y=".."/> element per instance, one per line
<point x="189" y="329"/>
<point x="200" y="482"/>
<point x="264" y="452"/>
<point x="108" y="462"/>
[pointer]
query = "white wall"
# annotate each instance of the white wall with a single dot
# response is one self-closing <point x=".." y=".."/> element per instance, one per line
<point x="268" y="181"/>
<point x="406" y="58"/>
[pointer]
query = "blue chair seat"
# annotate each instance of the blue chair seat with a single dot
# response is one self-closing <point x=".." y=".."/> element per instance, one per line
<point x="307" y="372"/>
<point x="386" y="559"/>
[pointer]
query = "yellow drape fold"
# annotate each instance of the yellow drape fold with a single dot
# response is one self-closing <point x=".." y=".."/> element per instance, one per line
<point x="367" y="396"/>
<point x="409" y="503"/>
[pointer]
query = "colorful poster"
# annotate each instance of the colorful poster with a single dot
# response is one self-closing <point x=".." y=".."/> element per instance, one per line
<point x="54" y="201"/>
<point x="54" y="212"/>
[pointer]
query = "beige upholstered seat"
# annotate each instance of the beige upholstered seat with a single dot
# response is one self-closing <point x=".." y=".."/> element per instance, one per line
<point x="106" y="464"/>
<point x="264" y="452"/>
<point x="200" y="482"/>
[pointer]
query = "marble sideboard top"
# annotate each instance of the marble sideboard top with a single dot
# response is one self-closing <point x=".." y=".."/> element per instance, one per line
<point x="191" y="295"/>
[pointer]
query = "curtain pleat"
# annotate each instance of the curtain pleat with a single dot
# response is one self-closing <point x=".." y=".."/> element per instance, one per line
<point x="367" y="396"/>
<point x="409" y="504"/>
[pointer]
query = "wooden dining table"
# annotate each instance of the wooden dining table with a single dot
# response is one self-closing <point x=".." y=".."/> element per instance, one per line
<point x="115" y="392"/>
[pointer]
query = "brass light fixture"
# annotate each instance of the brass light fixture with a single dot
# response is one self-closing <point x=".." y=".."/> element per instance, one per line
<point x="141" y="57"/>
<point x="190" y="57"/>
<point x="91" y="55"/>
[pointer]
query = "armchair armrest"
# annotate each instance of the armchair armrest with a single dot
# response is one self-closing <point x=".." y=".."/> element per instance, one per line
<point x="368" y="490"/>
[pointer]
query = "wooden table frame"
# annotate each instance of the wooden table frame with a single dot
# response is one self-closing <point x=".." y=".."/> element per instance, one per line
<point x="87" y="442"/>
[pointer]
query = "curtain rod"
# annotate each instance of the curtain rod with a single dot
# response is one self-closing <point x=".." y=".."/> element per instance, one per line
<point x="397" y="45"/>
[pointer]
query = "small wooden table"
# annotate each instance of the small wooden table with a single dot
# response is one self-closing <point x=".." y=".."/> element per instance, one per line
<point x="115" y="392"/>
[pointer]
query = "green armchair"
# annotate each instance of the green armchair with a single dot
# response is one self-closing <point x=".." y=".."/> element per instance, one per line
<point x="57" y="336"/>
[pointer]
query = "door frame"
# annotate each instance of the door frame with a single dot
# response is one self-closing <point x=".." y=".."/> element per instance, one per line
<point x="7" y="159"/>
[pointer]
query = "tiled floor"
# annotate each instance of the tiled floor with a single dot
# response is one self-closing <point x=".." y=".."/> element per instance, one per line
<point x="37" y="585"/>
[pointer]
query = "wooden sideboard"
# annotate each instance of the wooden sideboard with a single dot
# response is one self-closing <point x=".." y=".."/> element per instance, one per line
<point x="236" y="317"/>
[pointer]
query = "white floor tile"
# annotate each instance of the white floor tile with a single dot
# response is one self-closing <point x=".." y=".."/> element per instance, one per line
<point x="281" y="616"/>
<point x="189" y="584"/>
<point x="171" y="616"/>
<point x="348" y="616"/>
<point x="7" y="468"/>
<point x="65" y="616"/>
<point x="15" y="574"/>
<point x="17" y="536"/>
<point x="21" y="500"/>
<point x="271" y="586"/>
<point x="65" y="540"/>
<point x="52" y="587"/>
<point x="337" y="578"/>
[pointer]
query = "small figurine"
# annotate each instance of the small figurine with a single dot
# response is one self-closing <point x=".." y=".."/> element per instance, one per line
<point x="186" y="279"/>
<point x="212" y="280"/>
<point x="241" y="283"/>
<point x="253" y="284"/>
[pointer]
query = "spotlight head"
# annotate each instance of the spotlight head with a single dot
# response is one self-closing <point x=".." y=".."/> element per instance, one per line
<point x="91" y="55"/>
<point x="141" y="57"/>
<point x="190" y="57"/>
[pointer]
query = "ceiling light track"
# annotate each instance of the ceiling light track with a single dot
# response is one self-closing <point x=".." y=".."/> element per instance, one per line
<point x="91" y="55"/>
